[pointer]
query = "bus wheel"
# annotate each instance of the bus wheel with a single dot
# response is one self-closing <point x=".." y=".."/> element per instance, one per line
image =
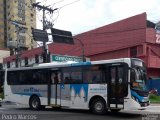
<point x="34" y="103"/>
<point x="98" y="106"/>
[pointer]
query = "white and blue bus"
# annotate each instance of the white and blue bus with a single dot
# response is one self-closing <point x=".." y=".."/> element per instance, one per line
<point x="97" y="85"/>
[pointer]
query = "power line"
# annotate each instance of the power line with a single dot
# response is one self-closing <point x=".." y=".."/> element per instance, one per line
<point x="44" y="9"/>
<point x="68" y="4"/>
<point x="56" y="2"/>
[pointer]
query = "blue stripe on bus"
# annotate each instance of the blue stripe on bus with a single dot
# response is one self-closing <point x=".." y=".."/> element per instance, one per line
<point x="78" y="89"/>
<point x="28" y="94"/>
<point x="81" y="63"/>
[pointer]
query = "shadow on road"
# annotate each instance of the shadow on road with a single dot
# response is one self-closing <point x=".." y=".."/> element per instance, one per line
<point x="124" y="115"/>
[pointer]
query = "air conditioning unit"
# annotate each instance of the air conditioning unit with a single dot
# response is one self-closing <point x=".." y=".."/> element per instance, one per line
<point x="21" y="45"/>
<point x="13" y="64"/>
<point x="22" y="62"/>
<point x="12" y="44"/>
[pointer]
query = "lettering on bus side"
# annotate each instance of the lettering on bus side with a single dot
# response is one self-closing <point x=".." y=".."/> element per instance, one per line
<point x="33" y="90"/>
<point x="98" y="89"/>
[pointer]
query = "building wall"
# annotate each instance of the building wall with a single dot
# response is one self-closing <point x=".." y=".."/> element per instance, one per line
<point x="30" y="22"/>
<point x="153" y="55"/>
<point x="111" y="55"/>
<point x="153" y="72"/>
<point x="18" y="10"/>
<point x="2" y="44"/>
<point x="4" y="53"/>
<point x="122" y="34"/>
<point x="150" y="35"/>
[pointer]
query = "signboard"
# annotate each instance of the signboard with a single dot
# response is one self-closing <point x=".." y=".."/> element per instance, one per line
<point x="62" y="36"/>
<point x="40" y="35"/>
<point x="61" y="58"/>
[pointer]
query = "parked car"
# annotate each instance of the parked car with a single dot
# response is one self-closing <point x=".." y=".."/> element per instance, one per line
<point x="154" y="91"/>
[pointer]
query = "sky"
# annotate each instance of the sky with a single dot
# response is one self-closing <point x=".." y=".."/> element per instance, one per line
<point x="79" y="16"/>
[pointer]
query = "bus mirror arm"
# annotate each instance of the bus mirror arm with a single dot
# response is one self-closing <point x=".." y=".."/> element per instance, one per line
<point x="129" y="68"/>
<point x="129" y="83"/>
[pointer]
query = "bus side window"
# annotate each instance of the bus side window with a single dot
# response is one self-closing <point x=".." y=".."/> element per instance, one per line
<point x="52" y="77"/>
<point x="28" y="75"/>
<point x="22" y="77"/>
<point x="66" y="78"/>
<point x="59" y="77"/>
<point x="72" y="75"/>
<point x="41" y="77"/>
<point x="87" y="77"/>
<point x="96" y="78"/>
<point x="55" y="77"/>
<point x="1" y="80"/>
<point x="34" y="78"/>
<point x="76" y="77"/>
<point x="38" y="77"/>
<point x="120" y="75"/>
<point x="92" y="75"/>
<point x="12" y="78"/>
<point x="113" y="75"/>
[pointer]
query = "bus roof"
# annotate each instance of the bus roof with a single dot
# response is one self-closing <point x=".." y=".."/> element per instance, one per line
<point x="70" y="64"/>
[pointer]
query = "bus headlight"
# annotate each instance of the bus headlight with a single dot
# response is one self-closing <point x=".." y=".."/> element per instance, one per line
<point x="145" y="99"/>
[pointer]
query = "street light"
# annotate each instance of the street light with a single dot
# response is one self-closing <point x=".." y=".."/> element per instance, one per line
<point x="62" y="36"/>
<point x="82" y="45"/>
<point x="19" y="26"/>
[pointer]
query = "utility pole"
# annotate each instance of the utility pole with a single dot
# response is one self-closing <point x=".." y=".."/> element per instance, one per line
<point x="44" y="9"/>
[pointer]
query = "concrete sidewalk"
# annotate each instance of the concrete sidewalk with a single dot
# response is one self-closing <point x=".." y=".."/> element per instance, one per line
<point x="155" y="104"/>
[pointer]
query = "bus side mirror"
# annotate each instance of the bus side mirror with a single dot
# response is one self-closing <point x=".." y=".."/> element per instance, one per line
<point x="149" y="78"/>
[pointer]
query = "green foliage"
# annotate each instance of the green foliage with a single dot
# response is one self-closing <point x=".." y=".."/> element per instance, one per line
<point x="154" y="98"/>
<point x="1" y="95"/>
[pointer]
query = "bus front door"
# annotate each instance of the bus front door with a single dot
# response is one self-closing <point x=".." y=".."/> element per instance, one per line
<point x="116" y="87"/>
<point x="55" y="90"/>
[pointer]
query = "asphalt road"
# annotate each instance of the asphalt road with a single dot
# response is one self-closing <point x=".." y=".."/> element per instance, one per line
<point x="13" y="112"/>
<point x="63" y="114"/>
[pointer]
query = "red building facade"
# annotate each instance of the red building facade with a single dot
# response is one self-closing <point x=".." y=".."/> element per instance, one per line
<point x="131" y="37"/>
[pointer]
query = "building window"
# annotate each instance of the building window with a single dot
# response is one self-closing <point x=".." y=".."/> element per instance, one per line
<point x="21" y="9"/>
<point x="133" y="52"/>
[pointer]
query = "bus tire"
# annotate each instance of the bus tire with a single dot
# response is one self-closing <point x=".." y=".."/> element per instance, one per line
<point x="98" y="106"/>
<point x="34" y="103"/>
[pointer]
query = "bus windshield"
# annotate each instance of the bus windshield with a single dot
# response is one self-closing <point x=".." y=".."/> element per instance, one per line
<point x="138" y="79"/>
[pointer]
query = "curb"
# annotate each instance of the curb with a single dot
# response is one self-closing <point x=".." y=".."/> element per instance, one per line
<point x="155" y="104"/>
